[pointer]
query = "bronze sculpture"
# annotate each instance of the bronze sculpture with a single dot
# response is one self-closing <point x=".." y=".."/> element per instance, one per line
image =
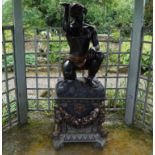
<point x="78" y="119"/>
<point x="79" y="35"/>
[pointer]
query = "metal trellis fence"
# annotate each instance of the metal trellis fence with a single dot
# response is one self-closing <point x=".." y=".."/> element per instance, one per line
<point x="50" y="49"/>
<point x="144" y="101"/>
<point x="9" y="100"/>
<point x="45" y="51"/>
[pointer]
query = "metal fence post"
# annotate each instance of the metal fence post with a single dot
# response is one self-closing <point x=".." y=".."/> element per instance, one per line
<point x="20" y="62"/>
<point x="134" y="61"/>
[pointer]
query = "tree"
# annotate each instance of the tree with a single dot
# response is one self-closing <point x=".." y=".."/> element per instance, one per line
<point x="7" y="13"/>
<point x="104" y="14"/>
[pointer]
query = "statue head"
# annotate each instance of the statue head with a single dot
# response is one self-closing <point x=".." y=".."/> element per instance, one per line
<point x="77" y="11"/>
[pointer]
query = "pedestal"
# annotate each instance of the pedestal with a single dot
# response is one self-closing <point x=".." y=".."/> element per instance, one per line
<point x="79" y="113"/>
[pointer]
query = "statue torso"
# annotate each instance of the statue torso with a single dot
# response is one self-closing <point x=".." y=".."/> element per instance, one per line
<point x="79" y="39"/>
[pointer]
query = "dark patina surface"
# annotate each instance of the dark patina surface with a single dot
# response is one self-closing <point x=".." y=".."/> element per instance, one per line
<point x="79" y="110"/>
<point x="79" y="36"/>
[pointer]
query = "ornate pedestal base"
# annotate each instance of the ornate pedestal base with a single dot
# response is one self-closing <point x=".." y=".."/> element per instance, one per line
<point x="73" y="135"/>
<point x="76" y="119"/>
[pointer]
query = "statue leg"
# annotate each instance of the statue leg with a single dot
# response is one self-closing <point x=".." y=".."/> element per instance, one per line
<point x="94" y="64"/>
<point x="68" y="69"/>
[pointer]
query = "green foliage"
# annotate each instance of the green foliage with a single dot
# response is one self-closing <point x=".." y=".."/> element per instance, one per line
<point x="9" y="60"/>
<point x="7" y="13"/>
<point x="32" y="18"/>
<point x="13" y="110"/>
<point x="112" y="95"/>
<point x="140" y="106"/>
<point x="115" y="36"/>
<point x="41" y="10"/>
<point x="146" y="60"/>
<point x="95" y="16"/>
<point x="148" y="18"/>
<point x="30" y="59"/>
<point x="105" y="14"/>
<point x="54" y="57"/>
<point x="124" y="58"/>
<point x="147" y="38"/>
<point x="55" y="49"/>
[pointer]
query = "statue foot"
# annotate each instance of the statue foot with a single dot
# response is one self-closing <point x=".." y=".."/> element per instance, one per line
<point x="91" y="83"/>
<point x="104" y="133"/>
<point x="55" y="133"/>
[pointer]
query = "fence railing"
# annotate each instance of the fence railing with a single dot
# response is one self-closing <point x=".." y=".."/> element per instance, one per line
<point x="45" y="50"/>
<point x="50" y="48"/>
<point x="9" y="100"/>
<point x="144" y="101"/>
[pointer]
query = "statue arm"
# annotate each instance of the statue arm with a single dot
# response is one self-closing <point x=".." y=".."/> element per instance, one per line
<point x="95" y="41"/>
<point x="66" y="19"/>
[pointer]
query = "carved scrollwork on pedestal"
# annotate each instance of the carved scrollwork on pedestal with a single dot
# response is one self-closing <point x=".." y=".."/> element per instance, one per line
<point x="79" y="113"/>
<point x="61" y="115"/>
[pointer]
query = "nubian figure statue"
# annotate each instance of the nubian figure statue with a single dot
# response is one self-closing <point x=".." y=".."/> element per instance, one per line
<point x="79" y="36"/>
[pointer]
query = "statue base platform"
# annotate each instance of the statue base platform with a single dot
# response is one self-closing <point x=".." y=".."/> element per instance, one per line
<point x="76" y="135"/>
<point x="79" y="113"/>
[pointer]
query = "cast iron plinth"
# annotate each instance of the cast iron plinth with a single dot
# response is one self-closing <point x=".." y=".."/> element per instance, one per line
<point x="79" y="113"/>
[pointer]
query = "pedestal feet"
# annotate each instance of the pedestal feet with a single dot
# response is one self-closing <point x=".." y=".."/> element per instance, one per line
<point x="76" y="135"/>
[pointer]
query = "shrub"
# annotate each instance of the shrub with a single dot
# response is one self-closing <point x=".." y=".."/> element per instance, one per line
<point x="145" y="59"/>
<point x="30" y="59"/>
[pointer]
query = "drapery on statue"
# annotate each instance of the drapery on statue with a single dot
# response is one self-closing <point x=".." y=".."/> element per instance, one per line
<point x="79" y="35"/>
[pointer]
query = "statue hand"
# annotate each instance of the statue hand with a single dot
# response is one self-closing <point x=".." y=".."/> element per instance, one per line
<point x="92" y="52"/>
<point x="64" y="4"/>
